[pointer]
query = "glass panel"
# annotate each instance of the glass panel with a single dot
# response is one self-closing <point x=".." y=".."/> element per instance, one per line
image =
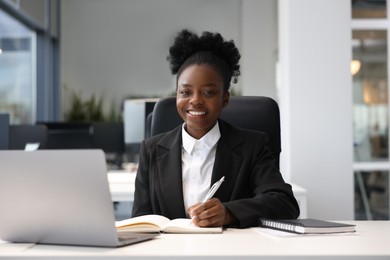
<point x="362" y="9"/>
<point x="17" y="70"/>
<point x="370" y="95"/>
<point x="372" y="195"/>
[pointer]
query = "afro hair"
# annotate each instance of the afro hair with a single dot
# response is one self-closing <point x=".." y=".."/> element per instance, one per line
<point x="187" y="44"/>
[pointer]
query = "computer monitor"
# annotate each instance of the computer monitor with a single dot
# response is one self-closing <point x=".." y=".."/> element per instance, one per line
<point x="109" y="136"/>
<point x="25" y="136"/>
<point x="63" y="135"/>
<point x="136" y="112"/>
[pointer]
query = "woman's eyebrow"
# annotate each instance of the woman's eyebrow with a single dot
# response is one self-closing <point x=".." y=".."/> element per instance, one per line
<point x="213" y="85"/>
<point x="185" y="85"/>
<point x="210" y="85"/>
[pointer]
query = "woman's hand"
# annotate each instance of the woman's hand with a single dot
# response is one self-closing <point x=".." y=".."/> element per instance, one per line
<point x="212" y="213"/>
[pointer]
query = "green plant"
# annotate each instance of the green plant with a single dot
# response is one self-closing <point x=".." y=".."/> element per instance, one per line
<point x="89" y="110"/>
<point x="114" y="115"/>
<point x="234" y="91"/>
<point x="76" y="112"/>
<point x="94" y="109"/>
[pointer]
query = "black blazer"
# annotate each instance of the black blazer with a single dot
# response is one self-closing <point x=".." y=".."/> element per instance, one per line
<point x="253" y="186"/>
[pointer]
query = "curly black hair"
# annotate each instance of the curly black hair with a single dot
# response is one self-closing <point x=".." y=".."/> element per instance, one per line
<point x="210" y="48"/>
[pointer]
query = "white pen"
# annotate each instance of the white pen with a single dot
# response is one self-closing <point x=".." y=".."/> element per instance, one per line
<point x="213" y="189"/>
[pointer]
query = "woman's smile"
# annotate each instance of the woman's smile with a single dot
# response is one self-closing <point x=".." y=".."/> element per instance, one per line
<point x="196" y="113"/>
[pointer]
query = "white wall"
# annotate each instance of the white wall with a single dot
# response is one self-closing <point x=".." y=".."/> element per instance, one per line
<point x="259" y="37"/>
<point x="118" y="48"/>
<point x="316" y="103"/>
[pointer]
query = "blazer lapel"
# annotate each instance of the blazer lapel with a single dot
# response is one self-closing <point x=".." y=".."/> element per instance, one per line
<point x="227" y="161"/>
<point x="170" y="173"/>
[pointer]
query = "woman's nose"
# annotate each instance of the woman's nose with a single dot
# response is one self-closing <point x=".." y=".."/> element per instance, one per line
<point x="196" y="99"/>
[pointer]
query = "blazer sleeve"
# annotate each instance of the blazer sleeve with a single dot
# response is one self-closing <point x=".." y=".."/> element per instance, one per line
<point x="260" y="188"/>
<point x="142" y="199"/>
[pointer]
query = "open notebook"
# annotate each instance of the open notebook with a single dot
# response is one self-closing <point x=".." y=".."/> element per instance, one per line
<point x="58" y="197"/>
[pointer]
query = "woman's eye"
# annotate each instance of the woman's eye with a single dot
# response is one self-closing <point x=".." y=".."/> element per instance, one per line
<point x="184" y="92"/>
<point x="208" y="92"/>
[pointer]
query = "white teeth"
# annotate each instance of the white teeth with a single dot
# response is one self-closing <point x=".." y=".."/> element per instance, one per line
<point x="196" y="113"/>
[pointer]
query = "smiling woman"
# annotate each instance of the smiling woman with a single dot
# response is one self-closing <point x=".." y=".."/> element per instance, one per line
<point x="177" y="167"/>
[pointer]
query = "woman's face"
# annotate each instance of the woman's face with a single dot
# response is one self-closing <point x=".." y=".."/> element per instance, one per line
<point x="200" y="98"/>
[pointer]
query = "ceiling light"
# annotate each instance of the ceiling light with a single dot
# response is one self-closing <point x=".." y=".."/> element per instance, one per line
<point x="355" y="67"/>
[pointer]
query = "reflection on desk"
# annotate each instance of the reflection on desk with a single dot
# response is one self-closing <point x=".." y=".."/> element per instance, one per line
<point x="122" y="189"/>
<point x="369" y="242"/>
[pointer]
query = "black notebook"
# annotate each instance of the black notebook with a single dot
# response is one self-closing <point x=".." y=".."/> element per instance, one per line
<point x="306" y="226"/>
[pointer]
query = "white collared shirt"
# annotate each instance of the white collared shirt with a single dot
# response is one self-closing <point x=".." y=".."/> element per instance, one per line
<point x="197" y="157"/>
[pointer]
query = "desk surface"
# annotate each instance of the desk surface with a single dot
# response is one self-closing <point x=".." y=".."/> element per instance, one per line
<point x="371" y="241"/>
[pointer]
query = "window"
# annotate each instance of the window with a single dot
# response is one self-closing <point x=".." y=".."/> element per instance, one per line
<point x="370" y="89"/>
<point x="17" y="70"/>
<point x="369" y="9"/>
<point x="369" y="68"/>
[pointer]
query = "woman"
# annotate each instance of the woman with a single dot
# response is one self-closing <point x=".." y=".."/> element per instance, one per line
<point x="177" y="168"/>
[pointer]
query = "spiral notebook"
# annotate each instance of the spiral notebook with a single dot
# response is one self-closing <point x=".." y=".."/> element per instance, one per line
<point x="307" y="226"/>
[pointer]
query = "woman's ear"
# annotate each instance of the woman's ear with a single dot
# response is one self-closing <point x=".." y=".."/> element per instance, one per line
<point x="226" y="97"/>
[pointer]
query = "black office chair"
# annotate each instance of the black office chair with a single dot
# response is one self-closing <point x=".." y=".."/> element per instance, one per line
<point x="249" y="112"/>
<point x="20" y="135"/>
<point x="148" y="124"/>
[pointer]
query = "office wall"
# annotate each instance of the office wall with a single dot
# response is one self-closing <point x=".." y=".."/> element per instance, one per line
<point x="259" y="38"/>
<point x="316" y="98"/>
<point x="118" y="48"/>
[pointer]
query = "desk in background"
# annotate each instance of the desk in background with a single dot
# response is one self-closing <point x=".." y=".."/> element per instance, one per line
<point x="122" y="189"/>
<point x="371" y="241"/>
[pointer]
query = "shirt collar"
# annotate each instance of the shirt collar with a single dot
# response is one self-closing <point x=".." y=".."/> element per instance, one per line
<point x="208" y="140"/>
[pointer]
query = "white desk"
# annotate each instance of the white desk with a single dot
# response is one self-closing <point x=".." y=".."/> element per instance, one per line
<point x="371" y="241"/>
<point x="122" y="189"/>
<point x="122" y="184"/>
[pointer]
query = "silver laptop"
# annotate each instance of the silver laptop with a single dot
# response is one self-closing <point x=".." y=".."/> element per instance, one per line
<point x="58" y="197"/>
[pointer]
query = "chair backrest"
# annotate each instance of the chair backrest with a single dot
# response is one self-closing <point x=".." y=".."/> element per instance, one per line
<point x="20" y="135"/>
<point x="249" y="112"/>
